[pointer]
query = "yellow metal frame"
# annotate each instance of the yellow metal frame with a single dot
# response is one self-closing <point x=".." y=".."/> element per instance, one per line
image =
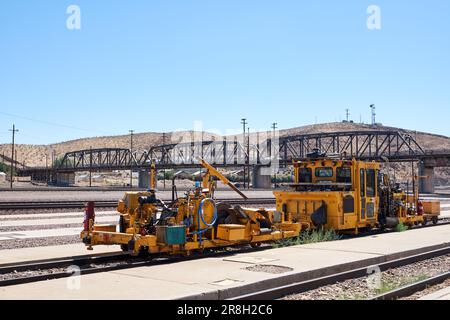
<point x="134" y="216"/>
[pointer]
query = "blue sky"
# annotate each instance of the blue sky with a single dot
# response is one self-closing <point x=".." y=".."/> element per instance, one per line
<point x="161" y="65"/>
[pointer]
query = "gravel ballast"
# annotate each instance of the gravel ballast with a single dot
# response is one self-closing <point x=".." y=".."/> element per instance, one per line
<point x="364" y="288"/>
<point x="39" y="242"/>
<point x="48" y="227"/>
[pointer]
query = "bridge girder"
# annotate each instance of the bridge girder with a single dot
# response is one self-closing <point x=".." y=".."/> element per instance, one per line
<point x="366" y="145"/>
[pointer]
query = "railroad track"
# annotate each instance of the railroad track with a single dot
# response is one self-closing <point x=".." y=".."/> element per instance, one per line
<point x="315" y="283"/>
<point x="53" y="205"/>
<point x="41" y="270"/>
<point x="411" y="289"/>
<point x="29" y="205"/>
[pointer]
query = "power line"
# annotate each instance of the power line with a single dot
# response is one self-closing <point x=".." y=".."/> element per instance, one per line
<point x="50" y="123"/>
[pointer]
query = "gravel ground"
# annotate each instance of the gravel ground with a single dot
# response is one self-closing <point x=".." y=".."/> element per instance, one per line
<point x="361" y="288"/>
<point x="48" y="226"/>
<point x="61" y="215"/>
<point x="427" y="291"/>
<point x="54" y="210"/>
<point x="39" y="242"/>
<point x="16" y="275"/>
<point x="6" y="196"/>
<point x="268" y="269"/>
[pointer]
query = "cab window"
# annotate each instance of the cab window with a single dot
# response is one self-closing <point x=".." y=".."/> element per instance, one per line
<point x="325" y="172"/>
<point x="362" y="182"/>
<point x="371" y="182"/>
<point x="343" y="175"/>
<point x="305" y="175"/>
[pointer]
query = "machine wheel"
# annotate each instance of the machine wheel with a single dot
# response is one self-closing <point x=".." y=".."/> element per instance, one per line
<point x="434" y="220"/>
<point x="255" y="245"/>
<point x="424" y="222"/>
<point x="124" y="247"/>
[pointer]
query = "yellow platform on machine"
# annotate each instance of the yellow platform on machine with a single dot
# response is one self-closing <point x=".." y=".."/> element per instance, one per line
<point x="432" y="207"/>
<point x="231" y="232"/>
<point x="105" y="227"/>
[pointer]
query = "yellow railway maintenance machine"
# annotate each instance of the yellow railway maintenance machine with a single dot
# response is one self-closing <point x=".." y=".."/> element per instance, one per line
<point x="193" y="222"/>
<point x="348" y="196"/>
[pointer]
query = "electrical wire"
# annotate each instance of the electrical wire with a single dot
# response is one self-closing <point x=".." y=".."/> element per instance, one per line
<point x="50" y="123"/>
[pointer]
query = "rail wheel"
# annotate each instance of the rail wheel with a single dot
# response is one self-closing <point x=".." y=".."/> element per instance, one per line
<point x="124" y="247"/>
<point x="434" y="220"/>
<point x="424" y="222"/>
<point x="255" y="245"/>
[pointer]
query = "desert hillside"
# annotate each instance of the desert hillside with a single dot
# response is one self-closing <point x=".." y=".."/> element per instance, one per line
<point x="35" y="155"/>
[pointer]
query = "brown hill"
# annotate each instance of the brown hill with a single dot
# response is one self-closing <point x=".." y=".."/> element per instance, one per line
<point x="35" y="155"/>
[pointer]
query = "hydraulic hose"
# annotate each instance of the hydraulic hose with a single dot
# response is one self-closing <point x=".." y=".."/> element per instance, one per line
<point x="200" y="215"/>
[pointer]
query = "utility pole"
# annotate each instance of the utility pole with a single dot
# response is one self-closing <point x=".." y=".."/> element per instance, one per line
<point x="90" y="168"/>
<point x="248" y="157"/>
<point x="244" y="124"/>
<point x="372" y="106"/>
<point x="12" y="153"/>
<point x="164" y="158"/>
<point x="15" y="160"/>
<point x="347" y="114"/>
<point x="46" y="167"/>
<point x="274" y="128"/>
<point x="131" y="157"/>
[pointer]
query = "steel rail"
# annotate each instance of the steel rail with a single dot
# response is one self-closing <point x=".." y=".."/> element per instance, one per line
<point x="92" y="264"/>
<point x="107" y="204"/>
<point x="97" y="264"/>
<point x="278" y="292"/>
<point x="410" y="289"/>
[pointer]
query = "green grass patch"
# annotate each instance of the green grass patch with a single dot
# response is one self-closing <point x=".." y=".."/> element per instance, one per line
<point x="306" y="237"/>
<point x="389" y="286"/>
<point x="401" y="227"/>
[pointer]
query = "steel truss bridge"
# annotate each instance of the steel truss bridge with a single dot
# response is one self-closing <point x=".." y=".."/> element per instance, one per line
<point x="394" y="146"/>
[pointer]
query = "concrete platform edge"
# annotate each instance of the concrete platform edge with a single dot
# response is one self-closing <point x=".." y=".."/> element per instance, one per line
<point x="222" y="294"/>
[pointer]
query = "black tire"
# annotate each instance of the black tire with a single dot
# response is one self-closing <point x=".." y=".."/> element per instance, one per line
<point x="435" y="220"/>
<point x="124" y="247"/>
<point x="424" y="222"/>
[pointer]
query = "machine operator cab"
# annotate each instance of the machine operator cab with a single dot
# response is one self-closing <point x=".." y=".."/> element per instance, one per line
<point x="332" y="193"/>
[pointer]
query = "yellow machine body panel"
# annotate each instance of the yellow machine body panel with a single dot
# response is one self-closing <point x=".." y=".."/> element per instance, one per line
<point x="231" y="232"/>
<point x="334" y="194"/>
<point x="192" y="222"/>
<point x="432" y="207"/>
